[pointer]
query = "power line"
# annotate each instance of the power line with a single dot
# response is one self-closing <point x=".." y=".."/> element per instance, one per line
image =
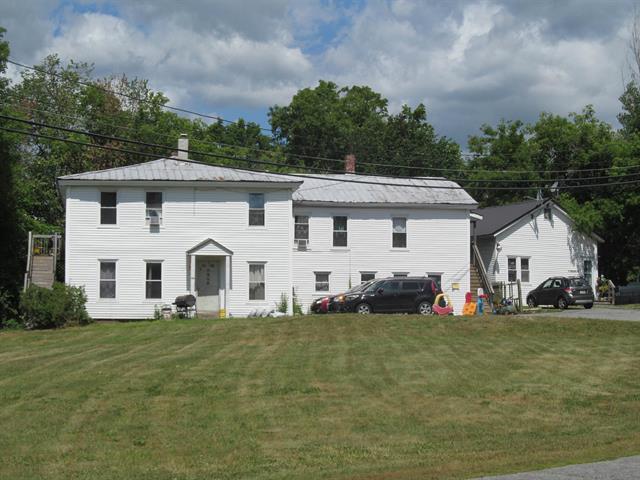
<point x="274" y="152"/>
<point x="280" y="165"/>
<point x="223" y="120"/>
<point x="296" y="175"/>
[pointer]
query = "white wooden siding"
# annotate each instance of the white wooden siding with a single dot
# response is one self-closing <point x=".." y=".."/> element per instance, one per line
<point x="437" y="241"/>
<point x="190" y="215"/>
<point x="553" y="246"/>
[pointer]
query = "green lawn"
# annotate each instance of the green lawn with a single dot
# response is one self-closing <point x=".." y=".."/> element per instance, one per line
<point x="385" y="397"/>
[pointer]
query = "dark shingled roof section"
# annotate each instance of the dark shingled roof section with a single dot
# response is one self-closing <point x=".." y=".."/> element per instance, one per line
<point x="496" y="218"/>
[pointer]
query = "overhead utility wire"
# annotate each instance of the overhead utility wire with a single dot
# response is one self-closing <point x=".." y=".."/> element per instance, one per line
<point x="296" y="175"/>
<point x="165" y="147"/>
<point x="284" y="154"/>
<point x="218" y="118"/>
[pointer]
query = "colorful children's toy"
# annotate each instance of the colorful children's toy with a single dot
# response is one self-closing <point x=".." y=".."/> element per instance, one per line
<point x="469" y="306"/>
<point x="439" y="309"/>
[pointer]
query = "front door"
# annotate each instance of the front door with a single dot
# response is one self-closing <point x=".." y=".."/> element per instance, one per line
<point x="208" y="284"/>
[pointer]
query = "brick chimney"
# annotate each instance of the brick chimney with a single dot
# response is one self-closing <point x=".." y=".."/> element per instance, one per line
<point x="183" y="144"/>
<point x="350" y="163"/>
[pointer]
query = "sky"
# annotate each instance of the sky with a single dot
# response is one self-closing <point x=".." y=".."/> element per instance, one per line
<point x="470" y="62"/>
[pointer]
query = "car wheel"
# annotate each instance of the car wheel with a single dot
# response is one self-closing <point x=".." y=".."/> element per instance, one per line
<point x="588" y="305"/>
<point x="562" y="303"/>
<point x="425" y="308"/>
<point x="363" y="309"/>
<point x="532" y="302"/>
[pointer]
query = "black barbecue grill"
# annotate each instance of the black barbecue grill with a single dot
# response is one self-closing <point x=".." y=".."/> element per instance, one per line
<point x="185" y="306"/>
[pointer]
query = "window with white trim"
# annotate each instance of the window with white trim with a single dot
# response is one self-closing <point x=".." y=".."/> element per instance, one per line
<point x="257" y="283"/>
<point x="367" y="276"/>
<point x="107" y="279"/>
<point x="256" y="209"/>
<point x="400" y="274"/>
<point x="153" y="283"/>
<point x="108" y="208"/>
<point x="518" y="268"/>
<point x="322" y="281"/>
<point x="340" y="231"/>
<point x="399" y="232"/>
<point x="301" y="228"/>
<point x="436" y="277"/>
<point x="153" y="203"/>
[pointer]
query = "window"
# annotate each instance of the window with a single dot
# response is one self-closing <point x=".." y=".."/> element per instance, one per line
<point x="524" y="270"/>
<point x="390" y="286"/>
<point x="512" y="269"/>
<point x="523" y="273"/>
<point x="256" y="209"/>
<point x="339" y="231"/>
<point x="256" y="281"/>
<point x="108" y="208"/>
<point x="322" y="281"/>
<point x="154" y="207"/>
<point x="588" y="271"/>
<point x="436" y="277"/>
<point x="367" y="276"/>
<point x="400" y="274"/>
<point x="301" y="228"/>
<point x="107" y="279"/>
<point x="548" y="283"/>
<point x="399" y="232"/>
<point x="154" y="280"/>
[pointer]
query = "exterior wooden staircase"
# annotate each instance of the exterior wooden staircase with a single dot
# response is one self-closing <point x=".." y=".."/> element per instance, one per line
<point x="42" y="259"/>
<point x="479" y="278"/>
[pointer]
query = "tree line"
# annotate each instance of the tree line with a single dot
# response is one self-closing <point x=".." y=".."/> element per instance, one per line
<point x="313" y="132"/>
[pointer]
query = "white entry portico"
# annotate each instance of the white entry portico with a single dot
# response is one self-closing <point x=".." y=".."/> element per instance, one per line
<point x="209" y="276"/>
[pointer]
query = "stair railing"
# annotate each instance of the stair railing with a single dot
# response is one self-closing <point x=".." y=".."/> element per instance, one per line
<point x="484" y="276"/>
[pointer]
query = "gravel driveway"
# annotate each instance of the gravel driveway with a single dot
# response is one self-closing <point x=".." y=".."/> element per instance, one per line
<point x="597" y="312"/>
<point x="627" y="468"/>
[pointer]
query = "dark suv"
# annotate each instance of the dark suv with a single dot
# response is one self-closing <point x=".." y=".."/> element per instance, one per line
<point x="562" y="292"/>
<point x="391" y="295"/>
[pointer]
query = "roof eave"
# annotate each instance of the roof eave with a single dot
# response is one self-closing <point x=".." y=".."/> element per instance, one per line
<point x="449" y="206"/>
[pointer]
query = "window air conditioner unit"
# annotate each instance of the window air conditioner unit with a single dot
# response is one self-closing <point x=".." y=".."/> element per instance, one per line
<point x="302" y="245"/>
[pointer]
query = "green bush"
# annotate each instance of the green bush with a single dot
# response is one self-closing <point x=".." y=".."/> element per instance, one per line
<point x="53" y="308"/>
<point x="8" y="312"/>
<point x="283" y="305"/>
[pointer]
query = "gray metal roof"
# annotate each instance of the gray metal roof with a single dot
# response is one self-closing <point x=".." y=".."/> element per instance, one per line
<point x="364" y="189"/>
<point x="313" y="188"/>
<point x="173" y="169"/>
<point x="495" y="219"/>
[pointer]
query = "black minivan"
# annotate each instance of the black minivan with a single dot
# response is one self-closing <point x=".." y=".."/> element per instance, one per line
<point x="394" y="295"/>
<point x="562" y="292"/>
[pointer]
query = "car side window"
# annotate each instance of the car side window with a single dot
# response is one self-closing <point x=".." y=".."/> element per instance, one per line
<point x="390" y="287"/>
<point x="548" y="283"/>
<point x="410" y="286"/>
<point x="557" y="283"/>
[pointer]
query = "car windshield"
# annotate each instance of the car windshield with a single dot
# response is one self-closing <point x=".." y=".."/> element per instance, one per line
<point x="577" y="282"/>
<point x="360" y="288"/>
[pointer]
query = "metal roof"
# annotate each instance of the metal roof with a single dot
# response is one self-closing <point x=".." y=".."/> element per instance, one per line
<point x="312" y="188"/>
<point x="331" y="190"/>
<point x="173" y="169"/>
<point x="495" y="219"/>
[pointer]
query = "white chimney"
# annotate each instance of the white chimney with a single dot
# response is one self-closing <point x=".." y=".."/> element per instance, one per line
<point x="183" y="146"/>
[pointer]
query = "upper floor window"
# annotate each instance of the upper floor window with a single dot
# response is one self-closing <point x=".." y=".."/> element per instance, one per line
<point x="339" y="231"/>
<point x="399" y="232"/>
<point x="153" y="285"/>
<point x="256" y="209"/>
<point x="301" y="228"/>
<point x="108" y="208"/>
<point x="107" y="279"/>
<point x="154" y="207"/>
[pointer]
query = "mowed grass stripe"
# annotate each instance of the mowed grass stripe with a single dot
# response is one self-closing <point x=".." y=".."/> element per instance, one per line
<point x="317" y="397"/>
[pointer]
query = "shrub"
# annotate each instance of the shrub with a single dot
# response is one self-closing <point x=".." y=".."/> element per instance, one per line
<point x="8" y="312"/>
<point x="53" y="308"/>
<point x="297" y="308"/>
<point x="283" y="305"/>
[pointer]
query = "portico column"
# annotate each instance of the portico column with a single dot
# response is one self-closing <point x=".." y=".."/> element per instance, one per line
<point x="192" y="274"/>
<point x="227" y="282"/>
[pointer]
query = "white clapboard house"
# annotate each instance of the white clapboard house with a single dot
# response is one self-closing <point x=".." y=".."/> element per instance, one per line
<point x="139" y="236"/>
<point x="531" y="241"/>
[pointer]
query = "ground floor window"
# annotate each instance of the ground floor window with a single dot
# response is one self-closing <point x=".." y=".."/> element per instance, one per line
<point x="436" y="277"/>
<point x="154" y="280"/>
<point x="518" y="268"/>
<point x="107" y="279"/>
<point x="367" y="276"/>
<point x="400" y="274"/>
<point x="256" y="281"/>
<point x="322" y="281"/>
